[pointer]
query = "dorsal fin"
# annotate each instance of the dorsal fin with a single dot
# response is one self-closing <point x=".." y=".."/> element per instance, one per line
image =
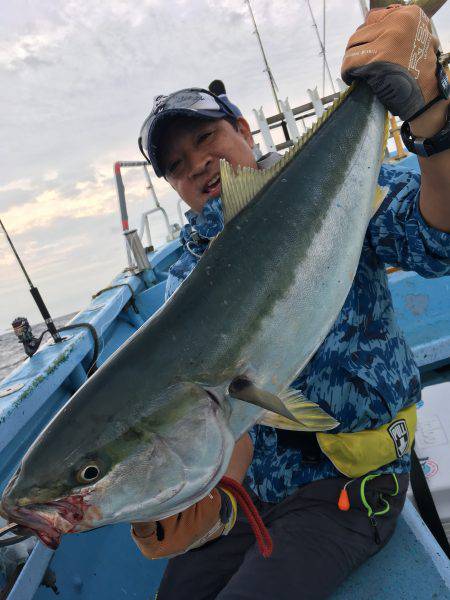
<point x="241" y="186"/>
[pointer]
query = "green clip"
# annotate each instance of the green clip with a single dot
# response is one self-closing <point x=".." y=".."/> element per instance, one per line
<point x="386" y="508"/>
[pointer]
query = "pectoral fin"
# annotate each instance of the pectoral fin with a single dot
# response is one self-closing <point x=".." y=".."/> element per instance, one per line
<point x="243" y="389"/>
<point x="309" y="416"/>
<point x="291" y="410"/>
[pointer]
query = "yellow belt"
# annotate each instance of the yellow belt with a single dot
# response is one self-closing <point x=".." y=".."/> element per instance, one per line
<point x="357" y="453"/>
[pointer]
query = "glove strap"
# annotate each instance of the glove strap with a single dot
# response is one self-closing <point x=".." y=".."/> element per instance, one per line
<point x="262" y="536"/>
<point x="439" y="142"/>
<point x="427" y="106"/>
<point x="443" y="87"/>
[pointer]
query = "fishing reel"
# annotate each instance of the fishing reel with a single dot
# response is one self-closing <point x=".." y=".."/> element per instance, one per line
<point x="22" y="329"/>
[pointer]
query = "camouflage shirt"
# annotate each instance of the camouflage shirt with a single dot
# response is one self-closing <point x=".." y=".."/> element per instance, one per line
<point x="364" y="372"/>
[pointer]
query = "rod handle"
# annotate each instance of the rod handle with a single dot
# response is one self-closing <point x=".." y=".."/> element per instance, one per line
<point x="45" y="314"/>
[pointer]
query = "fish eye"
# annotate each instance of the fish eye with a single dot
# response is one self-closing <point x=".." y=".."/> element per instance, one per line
<point x="88" y="473"/>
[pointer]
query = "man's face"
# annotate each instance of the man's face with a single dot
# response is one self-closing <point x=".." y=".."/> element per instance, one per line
<point x="192" y="149"/>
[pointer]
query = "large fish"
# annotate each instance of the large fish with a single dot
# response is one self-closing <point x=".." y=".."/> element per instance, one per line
<point x="153" y="430"/>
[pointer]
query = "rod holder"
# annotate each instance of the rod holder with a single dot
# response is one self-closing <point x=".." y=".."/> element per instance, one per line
<point x="137" y="250"/>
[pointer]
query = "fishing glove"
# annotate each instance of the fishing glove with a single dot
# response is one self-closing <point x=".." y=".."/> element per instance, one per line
<point x="395" y="52"/>
<point x="210" y="518"/>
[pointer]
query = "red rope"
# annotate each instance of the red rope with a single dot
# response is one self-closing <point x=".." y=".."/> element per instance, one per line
<point x="262" y="536"/>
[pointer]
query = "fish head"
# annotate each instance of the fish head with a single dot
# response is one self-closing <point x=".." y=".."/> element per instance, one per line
<point x="143" y="465"/>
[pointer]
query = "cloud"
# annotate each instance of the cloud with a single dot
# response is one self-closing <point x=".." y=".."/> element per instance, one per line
<point x="91" y="199"/>
<point x="86" y="199"/>
<point x="23" y="185"/>
<point x="51" y="175"/>
<point x="28" y="49"/>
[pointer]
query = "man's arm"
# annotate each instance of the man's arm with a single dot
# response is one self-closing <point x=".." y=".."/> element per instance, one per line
<point x="395" y="52"/>
<point x="435" y="186"/>
<point x="240" y="459"/>
<point x="399" y="234"/>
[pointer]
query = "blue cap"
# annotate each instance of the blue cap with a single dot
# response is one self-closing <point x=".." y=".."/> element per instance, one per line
<point x="191" y="102"/>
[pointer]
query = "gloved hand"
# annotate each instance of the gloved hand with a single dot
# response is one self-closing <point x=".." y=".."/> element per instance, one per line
<point x="210" y="518"/>
<point x="396" y="53"/>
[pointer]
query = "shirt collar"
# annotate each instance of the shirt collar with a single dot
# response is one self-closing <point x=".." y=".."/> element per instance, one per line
<point x="209" y="222"/>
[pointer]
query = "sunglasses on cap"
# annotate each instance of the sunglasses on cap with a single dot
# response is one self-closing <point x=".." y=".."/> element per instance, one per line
<point x="191" y="102"/>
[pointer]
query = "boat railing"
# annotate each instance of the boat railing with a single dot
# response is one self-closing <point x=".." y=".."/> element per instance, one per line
<point x="313" y="109"/>
<point x="144" y="231"/>
<point x="289" y="117"/>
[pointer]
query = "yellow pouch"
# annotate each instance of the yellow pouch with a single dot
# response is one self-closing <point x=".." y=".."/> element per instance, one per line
<point x="357" y="453"/>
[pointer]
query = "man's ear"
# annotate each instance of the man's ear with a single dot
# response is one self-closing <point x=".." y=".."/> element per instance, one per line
<point x="245" y="131"/>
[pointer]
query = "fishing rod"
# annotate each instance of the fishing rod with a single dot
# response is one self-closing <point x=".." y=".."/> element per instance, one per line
<point x="364" y="9"/>
<point x="322" y="46"/>
<point x="35" y="293"/>
<point x="272" y="82"/>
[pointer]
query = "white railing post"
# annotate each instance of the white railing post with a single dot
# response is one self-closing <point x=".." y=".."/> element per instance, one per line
<point x="265" y="131"/>
<point x="147" y="231"/>
<point x="316" y="102"/>
<point x="290" y="119"/>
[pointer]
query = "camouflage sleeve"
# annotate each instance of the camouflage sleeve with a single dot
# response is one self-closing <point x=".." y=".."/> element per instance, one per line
<point x="172" y="284"/>
<point x="398" y="233"/>
<point x="253" y="433"/>
<point x="179" y="271"/>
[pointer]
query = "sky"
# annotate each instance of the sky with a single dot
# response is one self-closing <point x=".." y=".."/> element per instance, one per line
<point x="77" y="79"/>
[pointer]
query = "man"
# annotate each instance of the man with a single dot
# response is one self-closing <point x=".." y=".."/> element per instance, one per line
<point x="322" y="523"/>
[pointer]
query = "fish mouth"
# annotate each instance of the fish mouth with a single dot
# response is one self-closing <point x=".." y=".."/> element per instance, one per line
<point x="50" y="520"/>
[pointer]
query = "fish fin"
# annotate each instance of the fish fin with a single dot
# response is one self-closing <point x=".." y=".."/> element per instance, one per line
<point x="309" y="416"/>
<point x="380" y="195"/>
<point x="243" y="389"/>
<point x="241" y="185"/>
